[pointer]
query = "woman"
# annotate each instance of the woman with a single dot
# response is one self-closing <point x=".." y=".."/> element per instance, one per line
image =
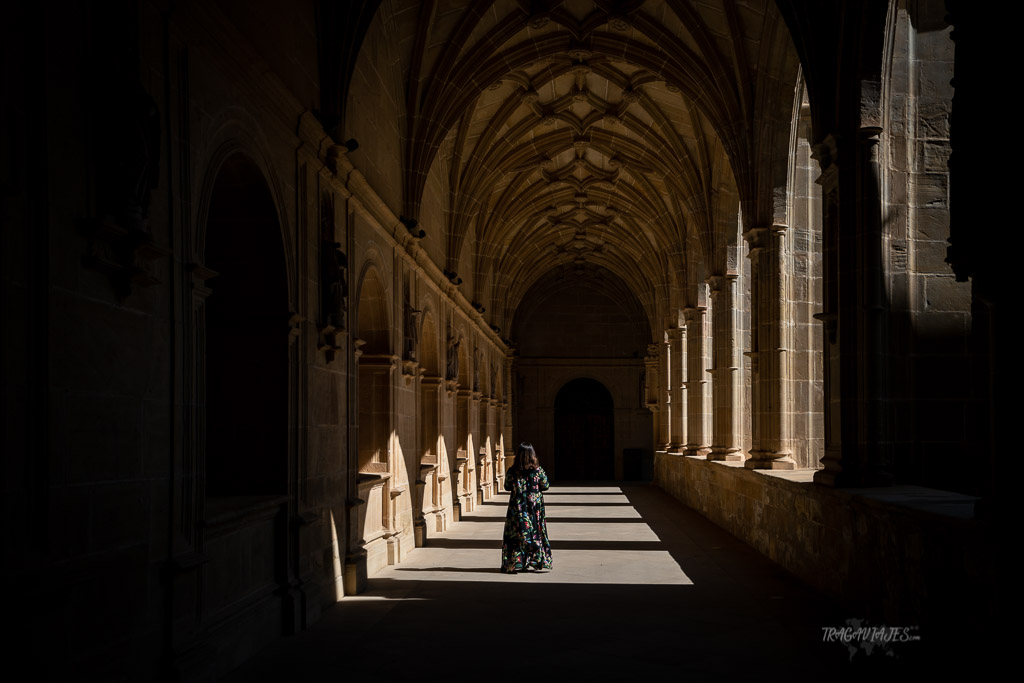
<point x="525" y="541"/>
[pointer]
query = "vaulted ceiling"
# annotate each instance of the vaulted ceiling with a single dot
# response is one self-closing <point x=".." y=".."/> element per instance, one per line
<point x="625" y="135"/>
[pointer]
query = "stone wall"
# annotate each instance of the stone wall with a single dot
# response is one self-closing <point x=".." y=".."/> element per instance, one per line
<point x="905" y="556"/>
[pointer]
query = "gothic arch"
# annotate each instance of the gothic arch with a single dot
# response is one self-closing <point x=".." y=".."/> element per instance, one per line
<point x="240" y="309"/>
<point x="245" y="315"/>
<point x="433" y="477"/>
<point x="584" y="431"/>
<point x="375" y="519"/>
<point x="234" y="132"/>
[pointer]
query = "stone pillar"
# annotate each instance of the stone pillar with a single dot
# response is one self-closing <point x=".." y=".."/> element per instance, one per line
<point x="826" y="154"/>
<point x="727" y="441"/>
<point x="508" y="454"/>
<point x="651" y="387"/>
<point x="677" y="395"/>
<point x="696" y="383"/>
<point x="483" y="487"/>
<point x="664" y="433"/>
<point x="858" y="438"/>
<point x="419" y="475"/>
<point x="493" y="454"/>
<point x="770" y="425"/>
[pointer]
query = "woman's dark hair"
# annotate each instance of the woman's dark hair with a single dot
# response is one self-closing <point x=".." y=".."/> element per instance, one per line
<point x="526" y="457"/>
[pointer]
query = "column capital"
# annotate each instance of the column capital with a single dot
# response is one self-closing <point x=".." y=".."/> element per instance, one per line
<point x="693" y="313"/>
<point x="869" y="134"/>
<point x="674" y="334"/>
<point x="760" y="236"/>
<point x="826" y="152"/>
<point x="720" y="283"/>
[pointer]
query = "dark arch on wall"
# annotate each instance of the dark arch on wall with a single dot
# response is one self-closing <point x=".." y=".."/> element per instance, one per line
<point x="246" y="337"/>
<point x="375" y="366"/>
<point x="584" y="432"/>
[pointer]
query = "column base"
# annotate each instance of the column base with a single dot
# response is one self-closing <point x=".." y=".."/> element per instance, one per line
<point x="419" y="531"/>
<point x="726" y="455"/>
<point x="697" y="450"/>
<point x="675" y="448"/>
<point x="394" y="548"/>
<point x="832" y="470"/>
<point x="769" y="460"/>
<point x="662" y="447"/>
<point x="355" y="573"/>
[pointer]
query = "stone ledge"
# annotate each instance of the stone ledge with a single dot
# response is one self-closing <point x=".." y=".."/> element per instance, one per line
<point x="906" y="555"/>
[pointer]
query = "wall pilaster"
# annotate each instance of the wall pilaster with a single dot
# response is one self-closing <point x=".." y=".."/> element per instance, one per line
<point x="677" y="391"/>
<point x="664" y="427"/>
<point x="727" y="395"/>
<point x="697" y="387"/>
<point x="770" y="438"/>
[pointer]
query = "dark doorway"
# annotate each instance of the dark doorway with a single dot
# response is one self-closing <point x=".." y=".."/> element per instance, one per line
<point x="246" y="337"/>
<point x="584" y="432"/>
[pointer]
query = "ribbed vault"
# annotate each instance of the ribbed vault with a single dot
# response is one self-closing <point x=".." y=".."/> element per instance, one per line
<point x="624" y="135"/>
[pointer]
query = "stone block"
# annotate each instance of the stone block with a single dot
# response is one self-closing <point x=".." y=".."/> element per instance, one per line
<point x="120" y="514"/>
<point x="940" y="377"/>
<point x="70" y="514"/>
<point x="101" y="437"/>
<point x="933" y="117"/>
<point x="933" y="80"/>
<point x="944" y="293"/>
<point x="932" y="223"/>
<point x="941" y="421"/>
<point x="933" y="156"/>
<point x="157" y="418"/>
<point x="323" y="397"/>
<point x="930" y="257"/>
<point x="929" y="190"/>
<point x="941" y="332"/>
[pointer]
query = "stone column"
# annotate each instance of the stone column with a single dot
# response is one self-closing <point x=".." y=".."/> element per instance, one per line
<point x="677" y="412"/>
<point x="696" y="383"/>
<point x="727" y="395"/>
<point x="506" y="432"/>
<point x="858" y="437"/>
<point x="483" y="487"/>
<point x="770" y="426"/>
<point x="493" y="455"/>
<point x="827" y="153"/>
<point x="664" y="433"/>
<point x="651" y="387"/>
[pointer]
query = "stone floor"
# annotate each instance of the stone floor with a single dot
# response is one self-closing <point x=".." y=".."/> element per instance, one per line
<point x="641" y="586"/>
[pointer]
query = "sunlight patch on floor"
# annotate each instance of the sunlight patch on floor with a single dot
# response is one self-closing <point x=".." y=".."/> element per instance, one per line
<point x="578" y="517"/>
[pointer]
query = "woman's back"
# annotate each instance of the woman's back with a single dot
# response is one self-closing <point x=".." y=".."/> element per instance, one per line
<point x="526" y="481"/>
<point x="525" y="540"/>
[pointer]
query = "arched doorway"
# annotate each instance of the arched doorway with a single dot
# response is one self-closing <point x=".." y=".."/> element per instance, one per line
<point x="243" y="367"/>
<point x="246" y="337"/>
<point x="584" y="432"/>
<point x="433" y="485"/>
<point x="376" y="364"/>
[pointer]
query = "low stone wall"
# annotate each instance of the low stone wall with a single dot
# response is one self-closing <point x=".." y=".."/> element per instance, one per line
<point x="880" y="559"/>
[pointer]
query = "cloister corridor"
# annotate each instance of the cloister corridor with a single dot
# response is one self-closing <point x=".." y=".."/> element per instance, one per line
<point x="285" y="286"/>
<point x="642" y="587"/>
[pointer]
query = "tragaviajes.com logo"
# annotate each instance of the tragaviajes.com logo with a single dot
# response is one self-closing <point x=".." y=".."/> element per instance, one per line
<point x="860" y="636"/>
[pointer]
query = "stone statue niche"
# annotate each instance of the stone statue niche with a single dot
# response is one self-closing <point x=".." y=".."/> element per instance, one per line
<point x="333" y="272"/>
<point x="130" y="163"/>
<point x="476" y="370"/>
<point x="127" y="173"/>
<point x="411" y="328"/>
<point x="452" y="372"/>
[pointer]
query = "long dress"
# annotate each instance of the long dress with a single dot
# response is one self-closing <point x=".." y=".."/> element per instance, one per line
<point x="525" y="540"/>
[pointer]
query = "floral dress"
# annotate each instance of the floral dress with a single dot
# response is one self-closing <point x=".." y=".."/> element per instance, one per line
<point x="525" y="541"/>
